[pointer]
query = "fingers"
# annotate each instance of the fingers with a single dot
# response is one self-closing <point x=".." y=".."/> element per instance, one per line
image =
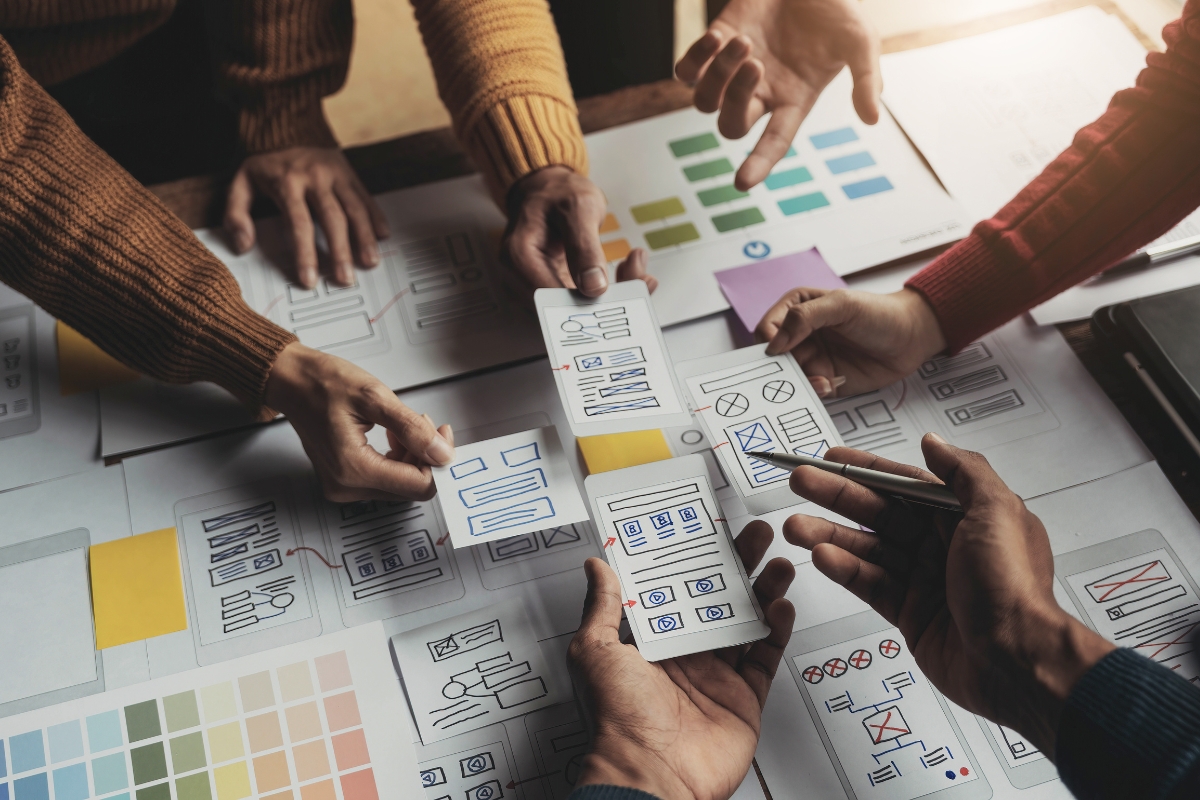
<point x="808" y="532"/>
<point x="239" y="226"/>
<point x="362" y="224"/>
<point x="525" y="249"/>
<point x="772" y="145"/>
<point x="601" y="607"/>
<point x="774" y="581"/>
<point x="861" y="458"/>
<point x="868" y="582"/>
<point x="741" y="107"/>
<point x="752" y="543"/>
<point x="968" y="474"/>
<point x="414" y="432"/>
<point x="838" y="494"/>
<point x="300" y="232"/>
<point x="634" y="267"/>
<point x="691" y="66"/>
<point x="868" y="79"/>
<point x="805" y="318"/>
<point x="710" y="88"/>
<point x="759" y="665"/>
<point x="363" y="473"/>
<point x="768" y="326"/>
<point x="579" y="220"/>
<point x="337" y="233"/>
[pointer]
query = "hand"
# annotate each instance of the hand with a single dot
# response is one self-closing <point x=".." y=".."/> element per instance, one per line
<point x="854" y="340"/>
<point x="305" y="182"/>
<point x="972" y="594"/>
<point x="777" y="56"/>
<point x="685" y="727"/>
<point x="553" y="235"/>
<point x="332" y="404"/>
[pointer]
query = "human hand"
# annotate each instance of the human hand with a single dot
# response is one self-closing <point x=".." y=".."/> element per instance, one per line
<point x="973" y="594"/>
<point x="850" y="341"/>
<point x="684" y="727"/>
<point x="305" y="182"/>
<point x="553" y="235"/>
<point x="776" y="56"/>
<point x="332" y="404"/>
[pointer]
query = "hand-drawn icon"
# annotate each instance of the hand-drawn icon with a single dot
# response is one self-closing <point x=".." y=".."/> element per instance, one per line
<point x="660" y="527"/>
<point x="706" y="585"/>
<point x="971" y="354"/>
<point x="560" y="536"/>
<point x="812" y="449"/>
<point x="666" y="623"/>
<point x="733" y="404"/>
<point x="778" y="391"/>
<point x="520" y="456"/>
<point x="860" y="659"/>
<point x="433" y="777"/>
<point x="813" y="674"/>
<point x="1128" y="581"/>
<point x="747" y="375"/>
<point x="505" y="488"/>
<point x="467" y="468"/>
<point x="653" y="598"/>
<point x="500" y="679"/>
<point x="884" y="774"/>
<point x="756" y="249"/>
<point x="799" y="425"/>
<point x="485" y="791"/>
<point x="474" y="764"/>
<point x="714" y="613"/>
<point x="835" y="667"/>
<point x="889" y="648"/>
<point x="465" y="641"/>
<point x="901" y="680"/>
<point x="935" y="757"/>
<point x="886" y="725"/>
<point x="13" y="381"/>
<point x="970" y="382"/>
<point x="245" y="608"/>
<point x="752" y="437"/>
<point x="610" y="359"/>
<point x="756" y="434"/>
<point x="12" y="362"/>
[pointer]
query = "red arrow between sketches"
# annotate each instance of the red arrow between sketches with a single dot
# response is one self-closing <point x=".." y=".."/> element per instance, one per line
<point x="442" y="540"/>
<point x="295" y="550"/>
<point x="629" y="603"/>
<point x="560" y="369"/>
<point x="611" y="541"/>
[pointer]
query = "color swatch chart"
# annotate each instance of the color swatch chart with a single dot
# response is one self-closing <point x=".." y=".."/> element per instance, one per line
<point x="276" y="725"/>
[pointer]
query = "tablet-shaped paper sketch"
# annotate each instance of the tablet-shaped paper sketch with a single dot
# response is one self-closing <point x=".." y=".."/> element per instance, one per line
<point x="747" y="400"/>
<point x="673" y="552"/>
<point x="610" y="360"/>
<point x="509" y="486"/>
<point x="474" y="670"/>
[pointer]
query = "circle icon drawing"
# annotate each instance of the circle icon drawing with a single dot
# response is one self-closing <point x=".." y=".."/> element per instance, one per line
<point x="691" y="437"/>
<point x="778" y="391"/>
<point x="483" y="793"/>
<point x="429" y="778"/>
<point x="714" y="613"/>
<point x="573" y="768"/>
<point x="731" y="405"/>
<point x="756" y="249"/>
<point x="835" y="667"/>
<point x="704" y="585"/>
<point x="665" y="623"/>
<point x="657" y="597"/>
<point x="860" y="659"/>
<point x="813" y="674"/>
<point x="476" y="764"/>
<point x="889" y="648"/>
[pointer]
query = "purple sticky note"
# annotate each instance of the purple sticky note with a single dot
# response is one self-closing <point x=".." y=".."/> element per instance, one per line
<point x="754" y="288"/>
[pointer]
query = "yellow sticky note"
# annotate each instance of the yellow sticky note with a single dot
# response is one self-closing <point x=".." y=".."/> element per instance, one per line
<point x="83" y="367"/>
<point x="137" y="588"/>
<point x="620" y="450"/>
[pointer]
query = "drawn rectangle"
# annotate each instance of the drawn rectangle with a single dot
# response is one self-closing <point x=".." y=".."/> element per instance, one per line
<point x="533" y="512"/>
<point x="335" y="332"/>
<point x="987" y="407"/>
<point x="505" y="488"/>
<point x="969" y="382"/>
<point x="707" y="584"/>
<point x="747" y="375"/>
<point x="971" y="354"/>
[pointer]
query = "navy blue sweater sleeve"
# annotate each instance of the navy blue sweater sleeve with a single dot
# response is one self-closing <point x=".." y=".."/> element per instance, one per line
<point x="603" y="792"/>
<point x="1130" y="729"/>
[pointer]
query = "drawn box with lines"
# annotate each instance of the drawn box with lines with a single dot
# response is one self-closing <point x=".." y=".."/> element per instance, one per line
<point x="335" y="318"/>
<point x="665" y="527"/>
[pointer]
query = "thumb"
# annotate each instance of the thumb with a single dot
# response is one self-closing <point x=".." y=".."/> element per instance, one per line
<point x="414" y="432"/>
<point x="967" y="473"/>
<point x="239" y="226"/>
<point x="868" y="80"/>
<point x="809" y="316"/>
<point x="581" y="245"/>
<point x="602" y="606"/>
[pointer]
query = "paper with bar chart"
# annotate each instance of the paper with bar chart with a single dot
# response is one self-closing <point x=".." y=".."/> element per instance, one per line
<point x="858" y="192"/>
<point x="323" y="720"/>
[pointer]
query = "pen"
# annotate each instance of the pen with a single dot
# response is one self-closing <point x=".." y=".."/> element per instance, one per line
<point x="1154" y="255"/>
<point x="923" y="492"/>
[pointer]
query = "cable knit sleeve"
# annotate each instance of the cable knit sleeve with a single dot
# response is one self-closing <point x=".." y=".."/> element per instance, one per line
<point x="1125" y="180"/>
<point x="275" y="61"/>
<point x="501" y="73"/>
<point x="93" y="247"/>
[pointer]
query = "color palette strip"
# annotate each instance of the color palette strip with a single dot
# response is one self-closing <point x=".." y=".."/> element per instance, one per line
<point x="738" y="219"/>
<point x="787" y="177"/>
<point x="670" y="237"/>
<point x="694" y="144"/>
<point x="709" y="169"/>
<point x="850" y="163"/>
<point x="805" y="202"/>
<point x="659" y="209"/>
<point x="833" y="138"/>
<point x="867" y="187"/>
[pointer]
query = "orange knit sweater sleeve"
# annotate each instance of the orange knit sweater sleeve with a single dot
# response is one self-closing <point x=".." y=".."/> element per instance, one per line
<point x="501" y="73"/>
<point x="86" y="242"/>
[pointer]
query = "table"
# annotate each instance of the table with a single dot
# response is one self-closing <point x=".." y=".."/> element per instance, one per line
<point x="435" y="155"/>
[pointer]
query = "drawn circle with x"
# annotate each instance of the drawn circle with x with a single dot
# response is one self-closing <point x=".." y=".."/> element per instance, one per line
<point x="732" y="404"/>
<point x="778" y="391"/>
<point x="889" y="648"/>
<point x="813" y="674"/>
<point x="835" y="667"/>
<point x="860" y="659"/>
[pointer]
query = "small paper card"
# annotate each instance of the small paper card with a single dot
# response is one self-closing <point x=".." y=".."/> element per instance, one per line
<point x="752" y="289"/>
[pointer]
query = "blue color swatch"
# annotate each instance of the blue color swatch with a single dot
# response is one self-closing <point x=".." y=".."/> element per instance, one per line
<point x="868" y="187"/>
<point x="832" y="138"/>
<point x="805" y="202"/>
<point x="66" y="741"/>
<point x="104" y="731"/>
<point x="109" y="773"/>
<point x="27" y="751"/>
<point x="3" y="764"/>
<point x="849" y="163"/>
<point x="71" y="783"/>
<point x="788" y="177"/>
<point x="35" y="787"/>
<point x="3" y="791"/>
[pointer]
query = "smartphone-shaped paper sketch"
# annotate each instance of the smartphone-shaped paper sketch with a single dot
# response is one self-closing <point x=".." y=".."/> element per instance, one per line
<point x="476" y="766"/>
<point x="1023" y="763"/>
<point x="508" y="486"/>
<point x="560" y="741"/>
<point x="1135" y="591"/>
<point x="394" y="558"/>
<point x="610" y="360"/>
<point x="674" y="555"/>
<point x="20" y="411"/>
<point x="473" y="670"/>
<point x="747" y="401"/>
<point x="888" y="732"/>
<point x="534" y="555"/>
<point x="245" y="576"/>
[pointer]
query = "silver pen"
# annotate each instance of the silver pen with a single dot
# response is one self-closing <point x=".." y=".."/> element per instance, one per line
<point x="1156" y="254"/>
<point x="916" y="491"/>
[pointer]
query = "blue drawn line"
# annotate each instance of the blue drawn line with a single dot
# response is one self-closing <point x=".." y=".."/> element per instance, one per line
<point x="850" y="163"/>
<point x="714" y="613"/>
<point x="230" y="553"/>
<point x="504" y="488"/>
<point x="519" y="456"/>
<point x="833" y="138"/>
<point x="612" y="408"/>
<point x="625" y="388"/>
<point x="640" y="372"/>
<point x="511" y="517"/>
<point x="867" y="188"/>
<point x="467" y="468"/>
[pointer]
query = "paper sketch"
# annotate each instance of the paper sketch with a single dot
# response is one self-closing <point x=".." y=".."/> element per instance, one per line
<point x="475" y="766"/>
<point x="534" y="555"/>
<point x="610" y="361"/>
<point x="473" y="670"/>
<point x="674" y="554"/>
<point x="505" y="487"/>
<point x="560" y="741"/>
<point x="20" y="411"/>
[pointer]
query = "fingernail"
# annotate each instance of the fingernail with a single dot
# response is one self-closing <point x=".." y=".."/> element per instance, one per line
<point x="372" y="257"/>
<point x="936" y="438"/>
<point x="242" y="241"/>
<point x="439" y="451"/>
<point x="837" y="381"/>
<point x="593" y="281"/>
<point x="821" y="385"/>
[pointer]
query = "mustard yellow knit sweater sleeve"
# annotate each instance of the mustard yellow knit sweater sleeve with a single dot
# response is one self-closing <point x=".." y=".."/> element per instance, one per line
<point x="501" y="73"/>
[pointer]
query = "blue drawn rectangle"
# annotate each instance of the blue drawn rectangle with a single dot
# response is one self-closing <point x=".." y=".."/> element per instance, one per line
<point x="511" y="517"/>
<point x="667" y="623"/>
<point x="850" y="163"/>
<point x="625" y="388"/>
<point x="467" y="468"/>
<point x="757" y="434"/>
<point x="624" y="405"/>
<point x="505" y="488"/>
<point x="867" y="187"/>
<point x="812" y="449"/>
<point x="610" y="358"/>
<point x="664" y="527"/>
<point x="519" y="456"/>
<point x="833" y="138"/>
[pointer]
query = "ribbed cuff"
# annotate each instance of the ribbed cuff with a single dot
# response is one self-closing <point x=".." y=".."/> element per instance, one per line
<point x="1131" y="728"/>
<point x="600" y="791"/>
<point x="237" y="350"/>
<point x="523" y="134"/>
<point x="295" y="124"/>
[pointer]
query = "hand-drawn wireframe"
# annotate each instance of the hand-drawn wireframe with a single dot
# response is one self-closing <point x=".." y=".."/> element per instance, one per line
<point x="477" y="766"/>
<point x="887" y="731"/>
<point x="20" y="409"/>
<point x="504" y="487"/>
<point x="611" y="363"/>
<point x="1024" y="765"/>
<point x="242" y="580"/>
<point x="749" y="401"/>
<point x="470" y="671"/>
<point x="1136" y="592"/>
<point x="689" y="439"/>
<point x="534" y="555"/>
<point x="668" y="545"/>
<point x="337" y="319"/>
<point x="560" y="741"/>
<point x="873" y="421"/>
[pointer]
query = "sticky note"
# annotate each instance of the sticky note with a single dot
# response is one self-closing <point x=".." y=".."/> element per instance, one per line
<point x="752" y="289"/>
<point x="137" y="588"/>
<point x="82" y="366"/>
<point x="620" y="450"/>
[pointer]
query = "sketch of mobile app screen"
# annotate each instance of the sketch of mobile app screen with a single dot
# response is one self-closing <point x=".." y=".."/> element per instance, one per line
<point x="249" y="587"/>
<point x="1135" y="592"/>
<point x="888" y="732"/>
<point x="394" y="558"/>
<point x="748" y="401"/>
<point x="20" y="411"/>
<point x="344" y="320"/>
<point x="560" y="742"/>
<point x="675" y="558"/>
<point x="610" y="360"/>
<point x="875" y="421"/>
<point x="475" y="766"/>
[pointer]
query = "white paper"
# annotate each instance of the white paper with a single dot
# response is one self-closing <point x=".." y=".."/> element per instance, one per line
<point x="749" y="401"/>
<point x="675" y="558"/>
<point x="509" y="486"/>
<point x="635" y="165"/>
<point x="473" y="670"/>
<point x="610" y="360"/>
<point x="477" y="765"/>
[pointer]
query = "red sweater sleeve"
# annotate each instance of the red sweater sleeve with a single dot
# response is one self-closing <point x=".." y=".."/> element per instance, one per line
<point x="1126" y="179"/>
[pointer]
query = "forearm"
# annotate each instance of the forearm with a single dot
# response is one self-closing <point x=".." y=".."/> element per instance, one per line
<point x="500" y="71"/>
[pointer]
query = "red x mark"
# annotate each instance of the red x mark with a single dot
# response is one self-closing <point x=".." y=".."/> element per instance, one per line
<point x="834" y="667"/>
<point x="889" y="648"/>
<point x="1116" y="586"/>
<point x="813" y="675"/>
<point x="860" y="659"/>
<point x="883" y="726"/>
<point x="1164" y="645"/>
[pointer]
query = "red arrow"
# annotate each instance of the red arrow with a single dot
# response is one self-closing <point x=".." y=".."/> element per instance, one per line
<point x="611" y="541"/>
<point x="560" y="369"/>
<point x="515" y="784"/>
<point x="442" y="540"/>
<point x="706" y="408"/>
<point x="295" y="550"/>
<point x="629" y="603"/>
<point x="715" y="446"/>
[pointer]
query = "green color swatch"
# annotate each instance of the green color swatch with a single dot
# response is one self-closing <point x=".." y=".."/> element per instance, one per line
<point x="181" y="711"/>
<point x="805" y="202"/>
<point x="738" y="219"/>
<point x="659" y="209"/>
<point x="694" y="144"/>
<point x="193" y="787"/>
<point x="709" y="169"/>
<point x="788" y="177"/>
<point x="141" y="720"/>
<point x="187" y="753"/>
<point x="721" y="194"/>
<point x="149" y="763"/>
<point x="159" y="791"/>
<point x="667" y="237"/>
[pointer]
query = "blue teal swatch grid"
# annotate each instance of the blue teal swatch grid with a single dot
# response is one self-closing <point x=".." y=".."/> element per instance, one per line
<point x="38" y="762"/>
